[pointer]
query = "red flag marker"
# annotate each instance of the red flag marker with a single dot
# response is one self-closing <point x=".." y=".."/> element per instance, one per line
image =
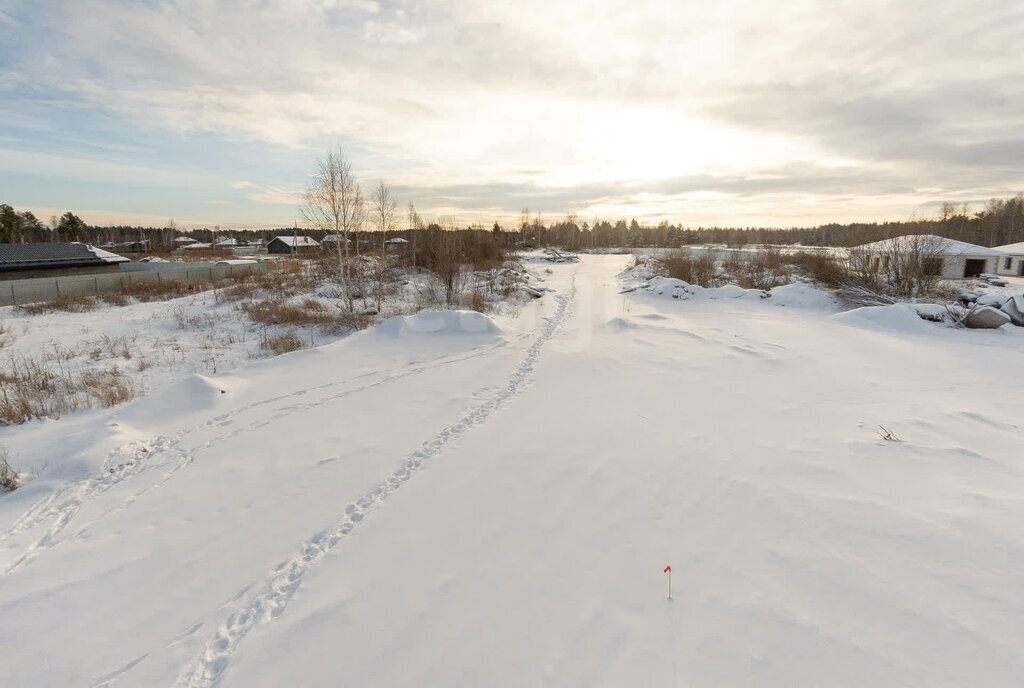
<point x="668" y="570"/>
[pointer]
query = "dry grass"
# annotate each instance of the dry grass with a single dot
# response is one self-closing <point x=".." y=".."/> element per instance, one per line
<point x="766" y="270"/>
<point x="822" y="268"/>
<point x="114" y="298"/>
<point x="8" y="476"/>
<point x="281" y="312"/>
<point x="281" y="344"/>
<point x="62" y="302"/>
<point x="683" y="265"/>
<point x="476" y="299"/>
<point x="29" y="388"/>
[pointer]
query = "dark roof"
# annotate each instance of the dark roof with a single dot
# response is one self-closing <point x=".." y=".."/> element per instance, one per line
<point x="27" y="256"/>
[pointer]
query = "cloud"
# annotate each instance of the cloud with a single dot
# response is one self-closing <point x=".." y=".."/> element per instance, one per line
<point x="593" y="105"/>
<point x="276" y="196"/>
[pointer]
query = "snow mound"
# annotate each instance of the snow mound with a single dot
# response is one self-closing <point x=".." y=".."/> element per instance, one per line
<point x="194" y="393"/>
<point x="620" y="325"/>
<point x="795" y="295"/>
<point x="804" y="295"/>
<point x="678" y="289"/>
<point x="643" y="270"/>
<point x="435" y="323"/>
<point x="899" y="317"/>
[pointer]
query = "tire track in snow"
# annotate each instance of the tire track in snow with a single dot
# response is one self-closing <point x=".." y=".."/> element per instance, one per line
<point x="70" y="500"/>
<point x="276" y="591"/>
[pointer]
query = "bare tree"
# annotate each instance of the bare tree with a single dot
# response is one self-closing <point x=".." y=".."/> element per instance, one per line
<point x="415" y="224"/>
<point x="912" y="263"/>
<point x="445" y="250"/>
<point x="334" y="203"/>
<point x="384" y="207"/>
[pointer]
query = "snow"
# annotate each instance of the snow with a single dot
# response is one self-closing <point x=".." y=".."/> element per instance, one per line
<point x="433" y="323"/>
<point x="106" y="256"/>
<point x="942" y="246"/>
<point x="297" y="241"/>
<point x="1015" y="249"/>
<point x="794" y="295"/>
<point x="491" y="500"/>
<point x="899" y="318"/>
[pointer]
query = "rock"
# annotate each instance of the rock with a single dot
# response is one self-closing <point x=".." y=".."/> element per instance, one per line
<point x="995" y="300"/>
<point x="372" y="310"/>
<point x="986" y="318"/>
<point x="932" y="312"/>
<point x="1014" y="307"/>
<point x="532" y="291"/>
<point x="998" y="282"/>
<point x="968" y="296"/>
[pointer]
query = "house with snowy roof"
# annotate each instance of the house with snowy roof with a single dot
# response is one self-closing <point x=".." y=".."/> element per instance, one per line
<point x="943" y="257"/>
<point x="292" y="244"/>
<point x="1013" y="262"/>
<point x="20" y="261"/>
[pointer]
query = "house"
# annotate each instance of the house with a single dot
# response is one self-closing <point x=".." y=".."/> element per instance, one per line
<point x="943" y="257"/>
<point x="140" y="245"/>
<point x="20" y="261"/>
<point x="396" y="243"/>
<point x="1013" y="262"/>
<point x="332" y="239"/>
<point x="292" y="244"/>
<point x="183" y="240"/>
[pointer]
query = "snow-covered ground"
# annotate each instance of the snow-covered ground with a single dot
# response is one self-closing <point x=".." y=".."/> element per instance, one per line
<point x="158" y="343"/>
<point x="456" y="499"/>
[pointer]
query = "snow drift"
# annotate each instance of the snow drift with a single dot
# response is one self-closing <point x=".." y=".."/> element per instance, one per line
<point x="435" y="323"/>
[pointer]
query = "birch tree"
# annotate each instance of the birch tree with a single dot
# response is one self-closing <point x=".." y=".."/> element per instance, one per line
<point x="333" y="203"/>
<point x="384" y="207"/>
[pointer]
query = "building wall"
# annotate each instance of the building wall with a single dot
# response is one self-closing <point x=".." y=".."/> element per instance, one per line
<point x="952" y="266"/>
<point x="59" y="272"/>
<point x="1016" y="266"/>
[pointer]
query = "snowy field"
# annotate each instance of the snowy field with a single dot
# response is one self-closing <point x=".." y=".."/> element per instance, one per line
<point x="462" y="500"/>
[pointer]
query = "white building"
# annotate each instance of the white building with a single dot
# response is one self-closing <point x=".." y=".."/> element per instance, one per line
<point x="1013" y="262"/>
<point x="948" y="258"/>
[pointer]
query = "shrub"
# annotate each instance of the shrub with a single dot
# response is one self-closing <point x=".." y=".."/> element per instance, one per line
<point x="476" y="300"/>
<point x="683" y="265"/>
<point x="823" y="268"/>
<point x="280" y="312"/>
<point x="8" y="476"/>
<point x="282" y="343"/>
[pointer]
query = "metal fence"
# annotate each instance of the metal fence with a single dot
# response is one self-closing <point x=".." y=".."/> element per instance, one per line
<point x="15" y="292"/>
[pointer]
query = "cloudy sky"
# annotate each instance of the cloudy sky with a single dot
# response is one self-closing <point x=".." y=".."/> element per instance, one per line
<point x="735" y="112"/>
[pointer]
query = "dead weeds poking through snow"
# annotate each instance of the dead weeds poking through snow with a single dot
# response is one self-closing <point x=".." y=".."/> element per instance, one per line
<point x="29" y="388"/>
<point x="8" y="476"/>
<point x="281" y="344"/>
<point x="282" y="312"/>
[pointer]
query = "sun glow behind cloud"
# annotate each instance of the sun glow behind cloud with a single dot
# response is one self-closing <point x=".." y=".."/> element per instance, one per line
<point x="738" y="112"/>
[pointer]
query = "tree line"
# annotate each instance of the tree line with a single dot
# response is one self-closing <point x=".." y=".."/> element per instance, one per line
<point x="1000" y="222"/>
